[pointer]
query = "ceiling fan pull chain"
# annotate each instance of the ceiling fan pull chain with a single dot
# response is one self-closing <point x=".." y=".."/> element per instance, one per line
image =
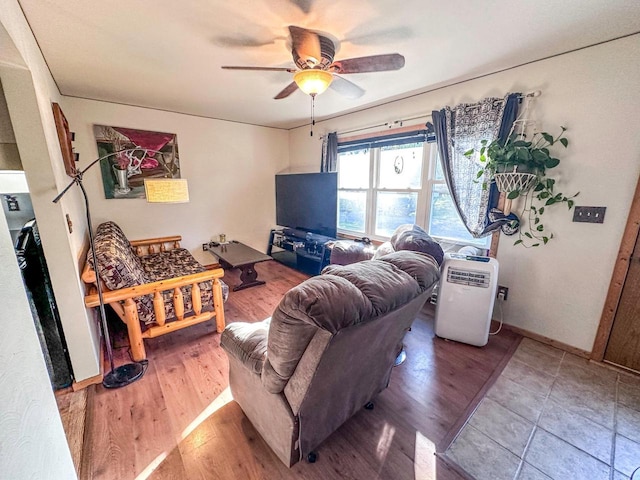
<point x="313" y="112"/>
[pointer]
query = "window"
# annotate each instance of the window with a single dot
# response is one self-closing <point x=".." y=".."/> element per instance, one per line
<point x="381" y="187"/>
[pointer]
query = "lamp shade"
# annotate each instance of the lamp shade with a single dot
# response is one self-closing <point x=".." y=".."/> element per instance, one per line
<point x="313" y="81"/>
<point x="166" y="190"/>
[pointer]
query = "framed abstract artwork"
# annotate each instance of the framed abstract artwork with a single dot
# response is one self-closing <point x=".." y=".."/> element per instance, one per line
<point x="123" y="174"/>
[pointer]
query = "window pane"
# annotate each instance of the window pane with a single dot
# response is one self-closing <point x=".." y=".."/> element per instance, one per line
<point x="353" y="169"/>
<point x="401" y="166"/>
<point x="352" y="207"/>
<point x="444" y="221"/>
<point x="394" y="209"/>
<point x="436" y="158"/>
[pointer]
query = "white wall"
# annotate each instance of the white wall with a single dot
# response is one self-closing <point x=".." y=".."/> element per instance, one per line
<point x="9" y="155"/>
<point x="13" y="182"/>
<point x="29" y="90"/>
<point x="32" y="441"/>
<point x="557" y="290"/>
<point x="230" y="169"/>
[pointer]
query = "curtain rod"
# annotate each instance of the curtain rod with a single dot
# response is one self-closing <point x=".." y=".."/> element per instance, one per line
<point x="535" y="93"/>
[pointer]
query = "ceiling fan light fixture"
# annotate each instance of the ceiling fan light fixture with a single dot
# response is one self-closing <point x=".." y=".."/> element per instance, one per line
<point x="313" y="81"/>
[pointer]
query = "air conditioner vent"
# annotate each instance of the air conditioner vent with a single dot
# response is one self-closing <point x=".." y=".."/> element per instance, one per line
<point x="472" y="278"/>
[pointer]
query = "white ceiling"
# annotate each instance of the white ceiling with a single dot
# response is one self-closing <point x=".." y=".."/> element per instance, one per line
<point x="167" y="54"/>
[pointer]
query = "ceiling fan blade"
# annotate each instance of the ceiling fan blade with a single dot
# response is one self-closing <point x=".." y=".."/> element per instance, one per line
<point x="305" y="44"/>
<point x="373" y="63"/>
<point x="304" y="5"/>
<point x="241" y="41"/>
<point x="288" y="90"/>
<point x="265" y="69"/>
<point x="363" y="35"/>
<point x="346" y="88"/>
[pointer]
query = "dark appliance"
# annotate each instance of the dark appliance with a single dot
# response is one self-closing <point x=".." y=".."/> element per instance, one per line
<point x="308" y="202"/>
<point x="43" y="305"/>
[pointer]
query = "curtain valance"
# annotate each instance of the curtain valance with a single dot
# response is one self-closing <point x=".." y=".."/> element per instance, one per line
<point x="417" y="136"/>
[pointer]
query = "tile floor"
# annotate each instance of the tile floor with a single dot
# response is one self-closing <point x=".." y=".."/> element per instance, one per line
<point x="553" y="415"/>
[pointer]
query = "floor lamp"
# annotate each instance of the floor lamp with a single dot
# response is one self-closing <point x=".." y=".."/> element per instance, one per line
<point x="130" y="372"/>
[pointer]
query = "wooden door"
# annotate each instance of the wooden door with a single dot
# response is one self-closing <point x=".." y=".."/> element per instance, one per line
<point x="623" y="347"/>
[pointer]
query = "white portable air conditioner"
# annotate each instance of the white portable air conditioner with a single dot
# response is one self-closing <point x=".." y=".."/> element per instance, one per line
<point x="466" y="295"/>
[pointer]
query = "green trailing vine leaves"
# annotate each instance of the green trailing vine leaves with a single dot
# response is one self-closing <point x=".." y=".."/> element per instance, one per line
<point x="526" y="156"/>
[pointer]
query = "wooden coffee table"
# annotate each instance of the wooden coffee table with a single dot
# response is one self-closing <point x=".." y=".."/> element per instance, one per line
<point x="238" y="255"/>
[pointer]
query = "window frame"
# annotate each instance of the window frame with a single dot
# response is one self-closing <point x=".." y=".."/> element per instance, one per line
<point x="371" y="195"/>
<point x="424" y="195"/>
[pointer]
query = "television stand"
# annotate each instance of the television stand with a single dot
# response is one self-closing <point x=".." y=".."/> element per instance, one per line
<point x="304" y="251"/>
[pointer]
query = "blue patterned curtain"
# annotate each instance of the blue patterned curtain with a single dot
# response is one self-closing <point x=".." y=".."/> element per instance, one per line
<point x="329" y="162"/>
<point x="458" y="130"/>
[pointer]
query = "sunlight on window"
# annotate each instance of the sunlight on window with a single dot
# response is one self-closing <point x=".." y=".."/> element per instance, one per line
<point x="384" y="442"/>
<point x="382" y="187"/>
<point x="394" y="209"/>
<point x="444" y="221"/>
<point x="439" y="172"/>
<point x="353" y="169"/>
<point x="424" y="463"/>
<point x="400" y="167"/>
<point x="352" y="208"/>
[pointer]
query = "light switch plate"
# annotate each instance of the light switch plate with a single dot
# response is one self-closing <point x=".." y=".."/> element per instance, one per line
<point x="589" y="214"/>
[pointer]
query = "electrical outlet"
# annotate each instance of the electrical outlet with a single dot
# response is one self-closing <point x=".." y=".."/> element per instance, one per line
<point x="503" y="292"/>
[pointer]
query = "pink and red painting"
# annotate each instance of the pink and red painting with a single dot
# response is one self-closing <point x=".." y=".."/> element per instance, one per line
<point x="132" y="155"/>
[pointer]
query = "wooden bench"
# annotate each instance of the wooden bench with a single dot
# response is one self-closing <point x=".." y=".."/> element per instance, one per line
<point x="125" y="301"/>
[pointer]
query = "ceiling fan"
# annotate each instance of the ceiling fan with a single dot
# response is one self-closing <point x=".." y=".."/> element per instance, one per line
<point x="316" y="70"/>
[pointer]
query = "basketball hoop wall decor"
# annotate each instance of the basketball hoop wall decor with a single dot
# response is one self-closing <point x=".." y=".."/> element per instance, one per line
<point x="510" y="182"/>
<point x="519" y="168"/>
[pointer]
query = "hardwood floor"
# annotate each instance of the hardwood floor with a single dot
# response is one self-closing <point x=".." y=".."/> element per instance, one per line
<point x="72" y="406"/>
<point x="179" y="421"/>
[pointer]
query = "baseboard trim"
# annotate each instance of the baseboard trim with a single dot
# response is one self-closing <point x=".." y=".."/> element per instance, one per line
<point x="619" y="368"/>
<point x="86" y="382"/>
<point x="548" y="341"/>
<point x="95" y="380"/>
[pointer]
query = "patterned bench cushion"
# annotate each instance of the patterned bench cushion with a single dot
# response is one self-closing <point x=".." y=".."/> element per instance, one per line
<point x="171" y="264"/>
<point x="120" y="267"/>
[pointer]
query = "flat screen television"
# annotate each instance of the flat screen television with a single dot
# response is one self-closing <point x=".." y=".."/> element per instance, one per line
<point x="308" y="201"/>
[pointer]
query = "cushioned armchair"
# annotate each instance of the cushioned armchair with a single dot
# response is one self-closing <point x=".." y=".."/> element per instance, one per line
<point x="411" y="237"/>
<point x="327" y="350"/>
<point x="405" y="237"/>
<point x="153" y="285"/>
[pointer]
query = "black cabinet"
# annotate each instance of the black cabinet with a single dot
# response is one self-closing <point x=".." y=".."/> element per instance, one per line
<point x="43" y="305"/>
<point x="304" y="251"/>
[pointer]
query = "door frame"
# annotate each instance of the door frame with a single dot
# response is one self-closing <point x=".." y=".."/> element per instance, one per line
<point x="623" y="261"/>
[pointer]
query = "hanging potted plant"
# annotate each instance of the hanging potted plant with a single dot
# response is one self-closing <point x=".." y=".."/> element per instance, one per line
<point x="519" y="168"/>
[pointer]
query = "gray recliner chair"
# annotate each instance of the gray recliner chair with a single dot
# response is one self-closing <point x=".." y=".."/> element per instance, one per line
<point x="327" y="350"/>
<point x="405" y="237"/>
